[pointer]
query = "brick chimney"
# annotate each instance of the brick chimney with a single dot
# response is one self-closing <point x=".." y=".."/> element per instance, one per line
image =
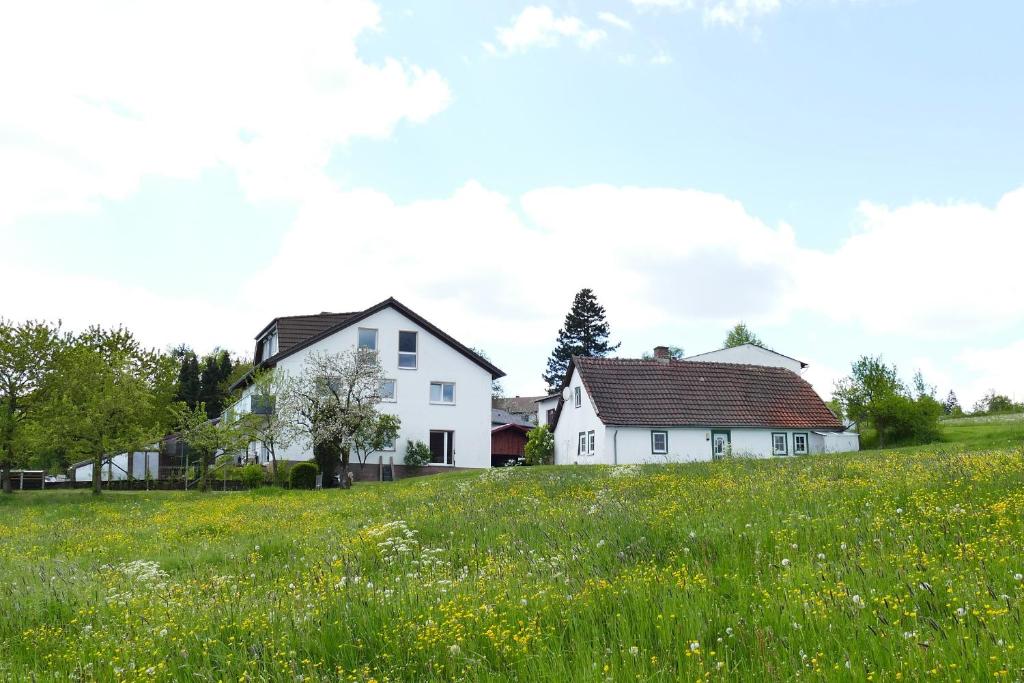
<point x="661" y="354"/>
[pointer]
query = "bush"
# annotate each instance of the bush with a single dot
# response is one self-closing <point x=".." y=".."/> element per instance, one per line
<point x="303" y="475"/>
<point x="251" y="476"/>
<point x="540" y="446"/>
<point x="417" y="454"/>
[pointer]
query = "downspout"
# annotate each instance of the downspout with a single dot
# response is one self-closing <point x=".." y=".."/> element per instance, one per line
<point x="615" y="447"/>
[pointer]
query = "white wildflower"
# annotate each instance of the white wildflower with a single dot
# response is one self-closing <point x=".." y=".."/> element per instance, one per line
<point x="785" y="562"/>
<point x="857" y="601"/>
<point x="634" y="650"/>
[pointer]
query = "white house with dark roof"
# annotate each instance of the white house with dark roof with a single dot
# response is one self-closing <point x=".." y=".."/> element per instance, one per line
<point x="620" y="411"/>
<point x="438" y="387"/>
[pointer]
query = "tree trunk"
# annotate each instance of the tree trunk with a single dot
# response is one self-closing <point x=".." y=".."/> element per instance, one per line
<point x="97" y="473"/>
<point x="5" y="475"/>
<point x="204" y="474"/>
<point x="345" y="481"/>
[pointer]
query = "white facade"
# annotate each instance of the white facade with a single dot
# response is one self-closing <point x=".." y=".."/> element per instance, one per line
<point x="749" y="354"/>
<point x="118" y="471"/>
<point x="466" y="420"/>
<point x="543" y="406"/>
<point x="615" y="445"/>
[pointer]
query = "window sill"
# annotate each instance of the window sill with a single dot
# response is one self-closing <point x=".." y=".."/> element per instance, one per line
<point x="441" y="403"/>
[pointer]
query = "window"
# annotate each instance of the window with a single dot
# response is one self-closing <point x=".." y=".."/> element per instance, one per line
<point x="389" y="446"/>
<point x="367" y="338"/>
<point x="585" y="446"/>
<point x="659" y="443"/>
<point x="389" y="390"/>
<point x="577" y="396"/>
<point x="800" y="444"/>
<point x="442" y="392"/>
<point x="407" y="350"/>
<point x="269" y="346"/>
<point x="550" y="416"/>
<point x="780" y="443"/>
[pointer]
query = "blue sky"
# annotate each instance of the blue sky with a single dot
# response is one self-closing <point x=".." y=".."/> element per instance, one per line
<point x="845" y="176"/>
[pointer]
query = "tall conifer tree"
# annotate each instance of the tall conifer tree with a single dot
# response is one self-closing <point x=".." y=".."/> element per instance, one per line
<point x="584" y="333"/>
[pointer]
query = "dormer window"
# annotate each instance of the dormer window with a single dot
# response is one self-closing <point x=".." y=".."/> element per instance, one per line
<point x="269" y="346"/>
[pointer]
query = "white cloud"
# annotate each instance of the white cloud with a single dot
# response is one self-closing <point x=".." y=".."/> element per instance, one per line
<point x="498" y="272"/>
<point x="737" y="12"/>
<point x="537" y="26"/>
<point x="1000" y="369"/>
<point x="925" y="270"/>
<point x="661" y="59"/>
<point x="118" y="91"/>
<point x="662" y="4"/>
<point x="614" y="20"/>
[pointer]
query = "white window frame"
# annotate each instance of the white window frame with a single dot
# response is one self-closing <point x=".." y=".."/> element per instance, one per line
<point x="442" y="402"/>
<point x="394" y="397"/>
<point x="591" y="442"/>
<point x="577" y="394"/>
<point x="376" y="338"/>
<point x="807" y="443"/>
<point x="581" y="443"/>
<point x="415" y="354"/>
<point x="392" y="447"/>
<point x="785" y="444"/>
<point x="654" y="449"/>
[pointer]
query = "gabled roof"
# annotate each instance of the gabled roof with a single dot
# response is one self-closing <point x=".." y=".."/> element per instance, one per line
<point x="504" y="417"/>
<point x="756" y="346"/>
<point x="324" y="326"/>
<point x="656" y="393"/>
<point x="517" y="404"/>
<point x="517" y="427"/>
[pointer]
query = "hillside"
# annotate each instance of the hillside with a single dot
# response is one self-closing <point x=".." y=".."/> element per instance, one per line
<point x="877" y="565"/>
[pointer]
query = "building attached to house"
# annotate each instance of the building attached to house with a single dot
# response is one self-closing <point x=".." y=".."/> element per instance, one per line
<point x="439" y="388"/>
<point x="620" y="411"/>
<point x="750" y="354"/>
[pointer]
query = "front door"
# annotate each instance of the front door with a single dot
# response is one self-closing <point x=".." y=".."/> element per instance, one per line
<point x="442" y="447"/>
<point x="720" y="441"/>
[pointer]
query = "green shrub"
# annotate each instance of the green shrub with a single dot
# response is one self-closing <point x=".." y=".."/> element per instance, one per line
<point x="540" y="446"/>
<point x="251" y="475"/>
<point x="303" y="475"/>
<point x="417" y="454"/>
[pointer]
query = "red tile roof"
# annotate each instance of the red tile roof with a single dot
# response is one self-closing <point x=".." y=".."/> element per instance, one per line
<point x="679" y="393"/>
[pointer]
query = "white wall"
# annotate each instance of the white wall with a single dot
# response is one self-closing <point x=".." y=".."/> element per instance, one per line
<point x="748" y="354"/>
<point x="633" y="444"/>
<point x="543" y="407"/>
<point x="469" y="417"/>
<point x="574" y="420"/>
<point x="835" y="442"/>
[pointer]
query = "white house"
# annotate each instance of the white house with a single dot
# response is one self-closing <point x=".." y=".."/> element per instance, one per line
<point x="619" y="411"/>
<point x="439" y="388"/>
<point x="750" y="354"/>
<point x="546" y="407"/>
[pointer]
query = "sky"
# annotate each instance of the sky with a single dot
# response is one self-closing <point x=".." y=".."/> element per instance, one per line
<point x="845" y="176"/>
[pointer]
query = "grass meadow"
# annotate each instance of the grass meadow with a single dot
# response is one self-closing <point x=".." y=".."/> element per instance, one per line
<point x="890" y="565"/>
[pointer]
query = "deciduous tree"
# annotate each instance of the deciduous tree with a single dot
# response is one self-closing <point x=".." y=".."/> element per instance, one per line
<point x="108" y="395"/>
<point x="27" y="353"/>
<point x="739" y="335"/>
<point x="331" y="399"/>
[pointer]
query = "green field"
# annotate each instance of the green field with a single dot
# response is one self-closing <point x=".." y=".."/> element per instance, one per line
<point x="884" y="565"/>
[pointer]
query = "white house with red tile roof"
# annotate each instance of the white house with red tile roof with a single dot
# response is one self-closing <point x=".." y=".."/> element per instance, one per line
<point x="620" y="411"/>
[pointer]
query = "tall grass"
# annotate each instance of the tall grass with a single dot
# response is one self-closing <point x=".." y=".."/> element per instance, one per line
<point x="873" y="566"/>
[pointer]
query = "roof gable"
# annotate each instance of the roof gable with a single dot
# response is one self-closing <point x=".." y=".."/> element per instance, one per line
<point x="304" y="331"/>
<point x="627" y="392"/>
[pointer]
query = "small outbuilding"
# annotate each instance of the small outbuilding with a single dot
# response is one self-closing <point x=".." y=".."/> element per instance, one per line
<point x="508" y="444"/>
